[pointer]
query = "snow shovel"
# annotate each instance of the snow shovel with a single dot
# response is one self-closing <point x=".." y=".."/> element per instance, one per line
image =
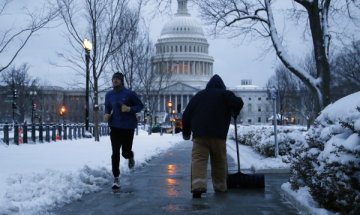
<point x="242" y="180"/>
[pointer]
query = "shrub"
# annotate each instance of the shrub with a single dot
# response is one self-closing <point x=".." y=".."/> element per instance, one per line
<point x="329" y="164"/>
<point x="261" y="138"/>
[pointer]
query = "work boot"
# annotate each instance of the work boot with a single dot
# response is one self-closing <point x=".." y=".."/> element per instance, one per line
<point x="116" y="184"/>
<point x="131" y="163"/>
<point x="197" y="193"/>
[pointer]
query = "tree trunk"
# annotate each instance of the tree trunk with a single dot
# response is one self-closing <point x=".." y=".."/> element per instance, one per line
<point x="96" y="110"/>
<point x="322" y="64"/>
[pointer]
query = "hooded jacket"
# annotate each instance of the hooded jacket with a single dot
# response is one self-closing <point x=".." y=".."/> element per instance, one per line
<point x="209" y="112"/>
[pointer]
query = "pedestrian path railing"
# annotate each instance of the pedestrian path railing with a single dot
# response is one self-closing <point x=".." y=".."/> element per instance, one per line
<point x="24" y="133"/>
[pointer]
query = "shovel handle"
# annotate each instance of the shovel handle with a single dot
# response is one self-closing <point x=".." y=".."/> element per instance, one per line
<point x="237" y="146"/>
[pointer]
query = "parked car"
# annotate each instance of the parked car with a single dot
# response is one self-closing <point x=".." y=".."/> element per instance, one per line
<point x="156" y="128"/>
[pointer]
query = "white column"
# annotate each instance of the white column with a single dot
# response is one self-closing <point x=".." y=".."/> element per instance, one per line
<point x="204" y="68"/>
<point x="158" y="104"/>
<point x="175" y="107"/>
<point x="164" y="103"/>
<point x="196" y="68"/>
<point x="182" y="102"/>
<point x="192" y="67"/>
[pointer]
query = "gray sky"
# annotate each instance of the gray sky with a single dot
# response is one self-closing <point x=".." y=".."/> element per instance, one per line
<point x="234" y="60"/>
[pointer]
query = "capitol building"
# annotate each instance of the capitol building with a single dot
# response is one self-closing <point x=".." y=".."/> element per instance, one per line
<point x="182" y="46"/>
<point x="183" y="51"/>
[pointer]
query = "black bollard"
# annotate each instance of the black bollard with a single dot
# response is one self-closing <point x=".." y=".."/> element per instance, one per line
<point x="70" y="132"/>
<point x="6" y="134"/>
<point x="47" y="133"/>
<point x="33" y="133"/>
<point x="59" y="135"/>
<point x="65" y="132"/>
<point x="41" y="139"/>
<point x="25" y="136"/>
<point x="16" y="134"/>
<point x="53" y="136"/>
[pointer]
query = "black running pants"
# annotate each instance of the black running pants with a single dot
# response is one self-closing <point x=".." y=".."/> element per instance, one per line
<point x="120" y="138"/>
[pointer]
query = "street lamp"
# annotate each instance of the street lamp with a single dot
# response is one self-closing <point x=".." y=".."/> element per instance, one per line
<point x="169" y="106"/>
<point x="14" y="105"/>
<point x="32" y="94"/>
<point x="87" y="46"/>
<point x="62" y="112"/>
<point x="171" y="116"/>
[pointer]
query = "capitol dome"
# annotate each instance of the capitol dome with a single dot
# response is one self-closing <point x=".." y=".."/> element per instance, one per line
<point x="182" y="49"/>
<point x="182" y="25"/>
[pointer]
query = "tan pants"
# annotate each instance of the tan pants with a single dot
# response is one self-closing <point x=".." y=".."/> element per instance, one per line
<point x="202" y="148"/>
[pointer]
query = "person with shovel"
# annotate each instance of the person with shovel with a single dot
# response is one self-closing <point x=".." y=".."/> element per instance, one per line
<point x="207" y="117"/>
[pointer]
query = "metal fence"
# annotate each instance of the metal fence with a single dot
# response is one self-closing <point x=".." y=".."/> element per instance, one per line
<point x="24" y="133"/>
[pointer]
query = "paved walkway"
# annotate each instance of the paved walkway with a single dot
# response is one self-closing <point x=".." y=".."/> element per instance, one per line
<point x="163" y="187"/>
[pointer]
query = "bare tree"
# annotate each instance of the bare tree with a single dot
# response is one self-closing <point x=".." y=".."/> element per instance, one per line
<point x="14" y="38"/>
<point x="346" y="70"/>
<point x="17" y="79"/>
<point x="155" y="78"/>
<point x="255" y="18"/>
<point x="99" y="21"/>
<point x="287" y="88"/>
<point x="129" y="58"/>
<point x="294" y="96"/>
<point x="135" y="61"/>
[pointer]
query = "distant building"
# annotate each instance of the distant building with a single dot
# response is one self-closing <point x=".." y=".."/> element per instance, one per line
<point x="257" y="106"/>
<point x="44" y="106"/>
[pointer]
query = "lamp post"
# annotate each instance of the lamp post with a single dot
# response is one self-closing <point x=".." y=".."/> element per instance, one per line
<point x="62" y="112"/>
<point x="170" y="105"/>
<point x="14" y="105"/>
<point x="273" y="93"/>
<point x="32" y="94"/>
<point x="87" y="46"/>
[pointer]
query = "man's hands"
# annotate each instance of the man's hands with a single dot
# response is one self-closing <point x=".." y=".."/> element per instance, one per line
<point x="125" y="108"/>
<point x="107" y="117"/>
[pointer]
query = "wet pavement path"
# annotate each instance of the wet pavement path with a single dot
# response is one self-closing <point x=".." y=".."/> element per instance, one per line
<point x="163" y="187"/>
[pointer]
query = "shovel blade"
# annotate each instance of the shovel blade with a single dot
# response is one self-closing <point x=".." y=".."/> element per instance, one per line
<point x="245" y="181"/>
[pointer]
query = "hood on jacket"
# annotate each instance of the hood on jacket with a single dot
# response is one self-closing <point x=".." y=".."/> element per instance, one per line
<point x="215" y="82"/>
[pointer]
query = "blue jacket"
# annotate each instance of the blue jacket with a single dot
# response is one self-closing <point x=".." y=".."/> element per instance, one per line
<point x="113" y="101"/>
<point x="209" y="112"/>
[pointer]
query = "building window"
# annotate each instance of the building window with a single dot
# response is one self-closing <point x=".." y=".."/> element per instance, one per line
<point x="249" y="107"/>
<point x="259" y="109"/>
<point x="259" y="119"/>
<point x="180" y="48"/>
<point x="259" y="98"/>
<point x="249" y="120"/>
<point x="249" y="99"/>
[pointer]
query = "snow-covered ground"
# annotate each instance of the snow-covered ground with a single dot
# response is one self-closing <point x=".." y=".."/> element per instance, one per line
<point x="38" y="177"/>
